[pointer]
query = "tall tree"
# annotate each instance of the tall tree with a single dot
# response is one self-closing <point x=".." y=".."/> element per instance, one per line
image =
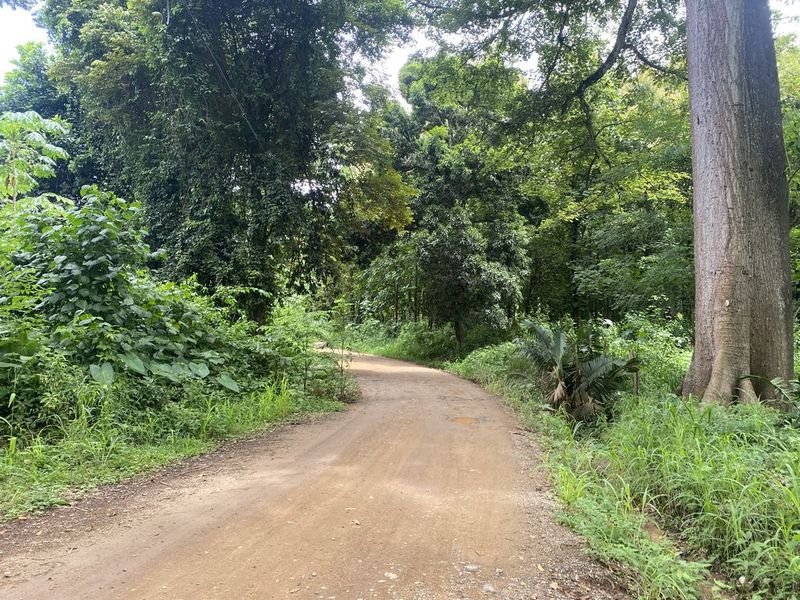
<point x="225" y="119"/>
<point x="27" y="85"/>
<point x="743" y="300"/>
<point x="741" y="204"/>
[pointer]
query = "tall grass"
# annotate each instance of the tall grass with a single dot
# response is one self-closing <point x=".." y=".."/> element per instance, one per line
<point x="724" y="479"/>
<point x="104" y="441"/>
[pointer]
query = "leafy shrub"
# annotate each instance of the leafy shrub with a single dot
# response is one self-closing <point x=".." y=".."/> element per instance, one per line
<point x="417" y="339"/>
<point x="489" y="363"/>
<point x="79" y="307"/>
<point x="583" y="384"/>
<point x="417" y="342"/>
<point x="482" y="335"/>
<point x="662" y="345"/>
<point x="371" y="333"/>
<point x="26" y="154"/>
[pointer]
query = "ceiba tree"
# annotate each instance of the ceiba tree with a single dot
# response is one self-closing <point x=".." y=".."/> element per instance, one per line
<point x="741" y="219"/>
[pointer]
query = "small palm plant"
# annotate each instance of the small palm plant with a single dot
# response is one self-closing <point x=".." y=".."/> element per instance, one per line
<point x="584" y="386"/>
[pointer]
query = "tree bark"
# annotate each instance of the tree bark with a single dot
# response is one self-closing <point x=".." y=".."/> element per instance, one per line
<point x="743" y="312"/>
<point x="458" y="330"/>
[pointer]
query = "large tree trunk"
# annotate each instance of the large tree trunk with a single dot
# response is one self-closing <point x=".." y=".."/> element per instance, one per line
<point x="741" y="221"/>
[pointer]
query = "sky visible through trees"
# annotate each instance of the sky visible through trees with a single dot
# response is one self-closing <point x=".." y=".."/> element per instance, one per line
<point x="17" y="27"/>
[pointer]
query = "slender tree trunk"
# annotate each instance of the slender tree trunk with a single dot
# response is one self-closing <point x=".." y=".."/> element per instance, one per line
<point x="395" y="309"/>
<point x="458" y="330"/>
<point x="416" y="292"/>
<point x="743" y="311"/>
<point x="574" y="236"/>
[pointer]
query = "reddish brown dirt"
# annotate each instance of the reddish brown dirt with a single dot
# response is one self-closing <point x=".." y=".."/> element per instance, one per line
<point x="426" y="489"/>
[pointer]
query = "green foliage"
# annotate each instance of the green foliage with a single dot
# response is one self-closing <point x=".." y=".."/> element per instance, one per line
<point x="726" y="479"/>
<point x="104" y="370"/>
<point x="104" y="438"/>
<point x="340" y="333"/>
<point x="663" y="346"/>
<point x="541" y="215"/>
<point x="26" y="154"/>
<point x="27" y="86"/>
<point x="264" y="166"/>
<point x="598" y="506"/>
<point x="84" y="257"/>
<point x="459" y="281"/>
<point x="583" y="383"/>
<point x="233" y="124"/>
<point x="490" y="364"/>
<point x="644" y="260"/>
<point x="416" y="341"/>
<point x="97" y="308"/>
<point x="17" y="3"/>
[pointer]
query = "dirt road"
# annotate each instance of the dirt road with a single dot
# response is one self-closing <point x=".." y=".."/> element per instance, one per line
<point x="425" y="489"/>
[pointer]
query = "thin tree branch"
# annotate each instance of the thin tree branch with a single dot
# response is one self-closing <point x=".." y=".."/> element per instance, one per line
<point x="559" y="48"/>
<point x="611" y="59"/>
<point x="587" y="113"/>
<point x="430" y="6"/>
<point x="653" y="65"/>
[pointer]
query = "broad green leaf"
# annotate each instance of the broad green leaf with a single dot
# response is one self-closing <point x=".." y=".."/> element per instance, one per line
<point x="199" y="369"/>
<point x="225" y="381"/>
<point x="133" y="362"/>
<point x="164" y="370"/>
<point x="102" y="374"/>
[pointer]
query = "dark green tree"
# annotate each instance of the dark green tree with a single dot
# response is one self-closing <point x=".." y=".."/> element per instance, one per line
<point x="459" y="282"/>
<point x="224" y="119"/>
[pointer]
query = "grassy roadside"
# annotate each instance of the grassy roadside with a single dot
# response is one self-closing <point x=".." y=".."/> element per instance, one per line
<point x="105" y="445"/>
<point x="723" y="482"/>
<point x="602" y="510"/>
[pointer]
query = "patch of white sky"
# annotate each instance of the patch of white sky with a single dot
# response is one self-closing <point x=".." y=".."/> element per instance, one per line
<point x="18" y="27"/>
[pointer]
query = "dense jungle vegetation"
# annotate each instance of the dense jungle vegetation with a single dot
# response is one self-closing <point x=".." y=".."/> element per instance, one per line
<point x="192" y="193"/>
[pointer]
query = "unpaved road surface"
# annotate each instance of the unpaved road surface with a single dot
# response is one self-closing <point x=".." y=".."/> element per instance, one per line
<point x="425" y="489"/>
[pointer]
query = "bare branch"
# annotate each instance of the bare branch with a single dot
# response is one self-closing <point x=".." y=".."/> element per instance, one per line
<point x="653" y="65"/>
<point x="611" y="59"/>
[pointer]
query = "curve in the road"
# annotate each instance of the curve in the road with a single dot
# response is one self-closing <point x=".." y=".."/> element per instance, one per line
<point x="425" y="489"/>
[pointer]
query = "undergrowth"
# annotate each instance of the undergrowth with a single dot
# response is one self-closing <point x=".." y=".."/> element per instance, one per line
<point x="103" y="442"/>
<point x="106" y="370"/>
